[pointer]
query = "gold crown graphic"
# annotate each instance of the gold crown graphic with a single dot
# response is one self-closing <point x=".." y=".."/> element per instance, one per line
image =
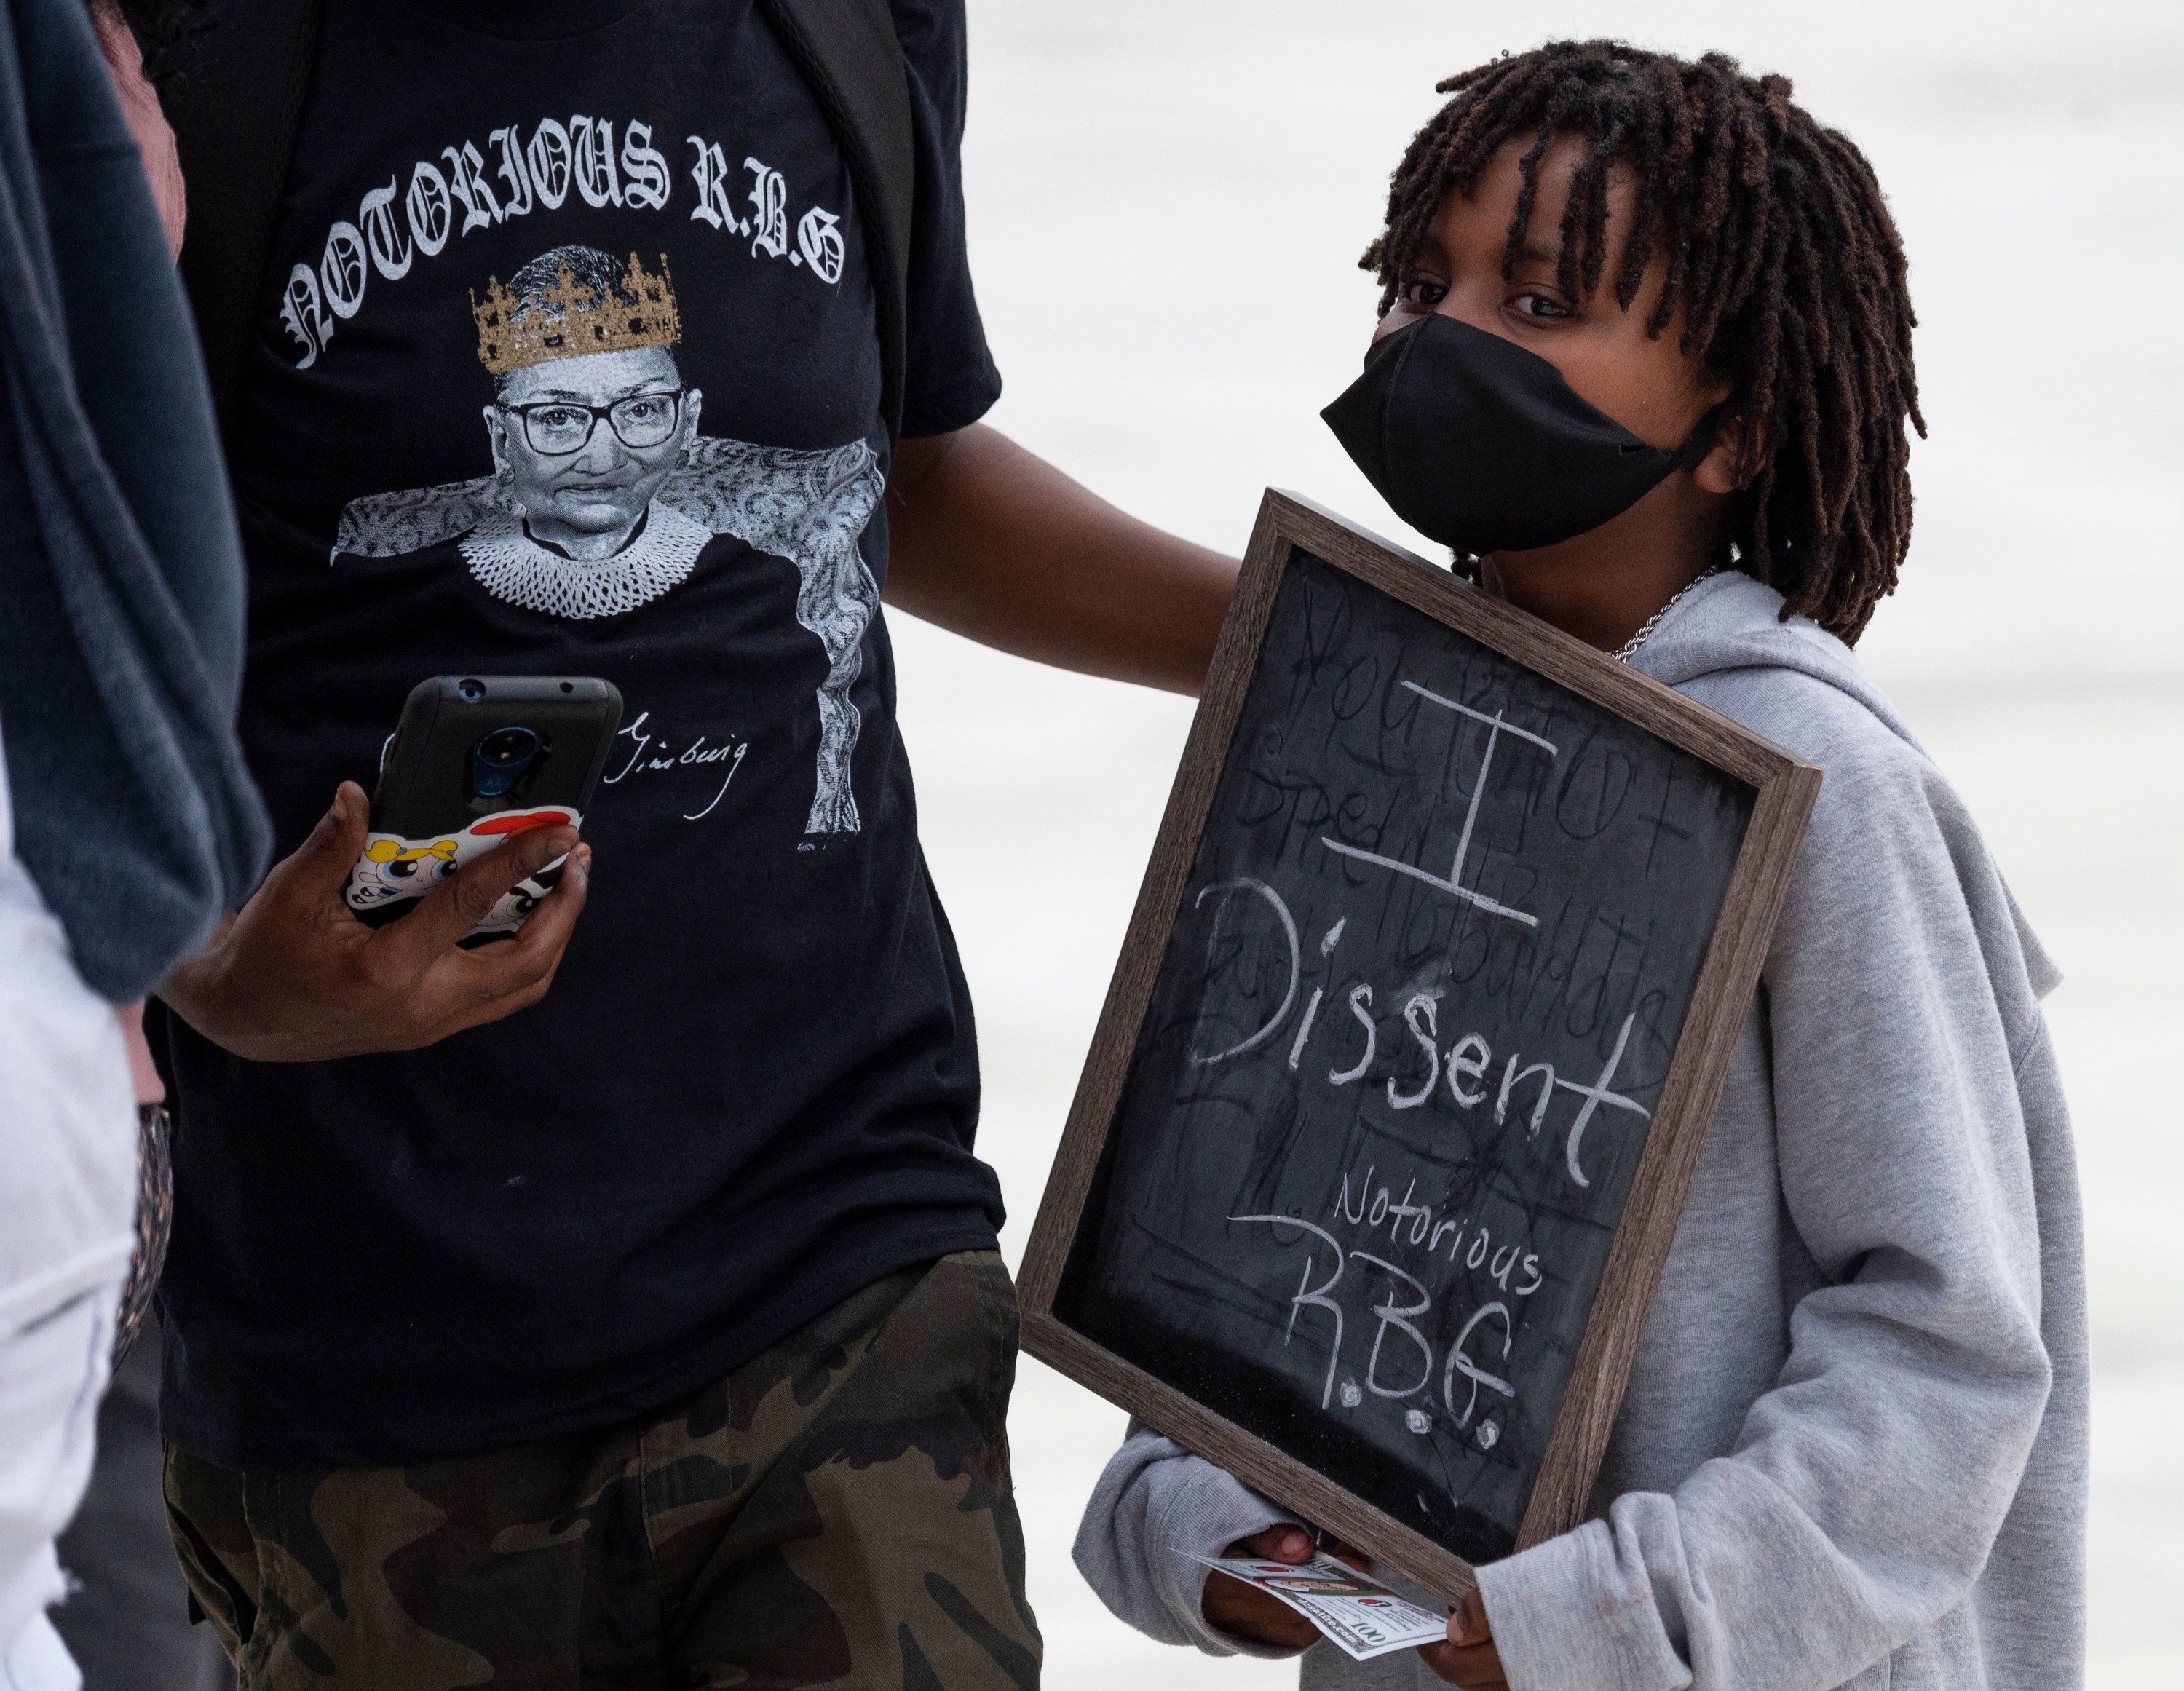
<point x="568" y="319"/>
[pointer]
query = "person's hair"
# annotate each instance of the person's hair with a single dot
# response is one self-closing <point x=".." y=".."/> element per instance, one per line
<point x="1781" y="254"/>
<point x="588" y="267"/>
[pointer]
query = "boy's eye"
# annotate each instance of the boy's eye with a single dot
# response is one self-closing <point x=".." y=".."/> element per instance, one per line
<point x="1539" y="305"/>
<point x="1425" y="295"/>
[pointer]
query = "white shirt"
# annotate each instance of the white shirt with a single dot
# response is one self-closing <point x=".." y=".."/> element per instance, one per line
<point x="68" y="1191"/>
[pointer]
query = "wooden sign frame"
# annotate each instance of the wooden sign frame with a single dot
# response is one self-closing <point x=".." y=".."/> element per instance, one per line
<point x="1784" y="787"/>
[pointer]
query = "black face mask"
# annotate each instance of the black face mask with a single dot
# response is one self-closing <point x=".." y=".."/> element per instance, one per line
<point x="1483" y="447"/>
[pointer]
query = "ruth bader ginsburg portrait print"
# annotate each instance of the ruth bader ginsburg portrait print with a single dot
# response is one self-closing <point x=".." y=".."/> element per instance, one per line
<point x="604" y="493"/>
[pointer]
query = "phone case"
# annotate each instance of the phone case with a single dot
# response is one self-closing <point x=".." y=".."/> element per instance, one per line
<point x="475" y="760"/>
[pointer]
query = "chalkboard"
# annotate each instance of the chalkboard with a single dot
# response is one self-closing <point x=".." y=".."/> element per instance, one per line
<point x="1426" y="1003"/>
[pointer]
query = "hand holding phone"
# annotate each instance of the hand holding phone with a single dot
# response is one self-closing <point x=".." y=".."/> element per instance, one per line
<point x="476" y="761"/>
<point x="295" y="978"/>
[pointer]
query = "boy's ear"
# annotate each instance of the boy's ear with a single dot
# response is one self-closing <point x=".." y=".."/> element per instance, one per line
<point x="1735" y="460"/>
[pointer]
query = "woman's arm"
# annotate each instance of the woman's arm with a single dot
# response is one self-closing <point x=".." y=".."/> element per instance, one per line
<point x="998" y="545"/>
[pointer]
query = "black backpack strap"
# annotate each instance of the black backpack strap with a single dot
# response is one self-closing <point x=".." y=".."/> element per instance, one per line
<point x="235" y="100"/>
<point x="848" y="56"/>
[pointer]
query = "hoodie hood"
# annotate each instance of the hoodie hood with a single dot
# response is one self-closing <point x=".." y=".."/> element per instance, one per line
<point x="1730" y="622"/>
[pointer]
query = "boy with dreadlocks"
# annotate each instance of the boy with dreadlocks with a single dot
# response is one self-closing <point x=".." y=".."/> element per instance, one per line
<point x="1852" y="1449"/>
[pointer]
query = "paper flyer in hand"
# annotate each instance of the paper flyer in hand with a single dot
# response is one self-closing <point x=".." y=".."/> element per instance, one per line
<point x="1365" y="1619"/>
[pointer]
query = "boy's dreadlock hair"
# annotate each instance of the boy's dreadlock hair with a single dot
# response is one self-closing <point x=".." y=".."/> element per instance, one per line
<point x="1781" y="254"/>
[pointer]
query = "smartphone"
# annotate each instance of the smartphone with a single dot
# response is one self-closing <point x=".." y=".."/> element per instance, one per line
<point x="474" y="760"/>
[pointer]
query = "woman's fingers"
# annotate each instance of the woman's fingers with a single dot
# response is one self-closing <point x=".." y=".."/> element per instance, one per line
<point x="444" y="916"/>
<point x="545" y="933"/>
<point x="319" y="869"/>
<point x="468" y="987"/>
<point x="295" y="978"/>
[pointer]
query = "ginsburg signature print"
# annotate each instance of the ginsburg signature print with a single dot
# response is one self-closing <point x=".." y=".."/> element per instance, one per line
<point x="604" y="493"/>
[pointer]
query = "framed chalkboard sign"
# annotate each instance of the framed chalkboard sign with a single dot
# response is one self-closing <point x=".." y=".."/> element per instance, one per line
<point x="1427" y="1001"/>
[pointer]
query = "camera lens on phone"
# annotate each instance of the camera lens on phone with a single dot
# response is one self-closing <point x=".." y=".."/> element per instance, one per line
<point x="506" y="746"/>
<point x="499" y="760"/>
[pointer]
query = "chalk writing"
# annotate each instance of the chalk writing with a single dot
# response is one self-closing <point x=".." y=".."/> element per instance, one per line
<point x="1454" y="883"/>
<point x="1390" y="1316"/>
<point x="1288" y="932"/>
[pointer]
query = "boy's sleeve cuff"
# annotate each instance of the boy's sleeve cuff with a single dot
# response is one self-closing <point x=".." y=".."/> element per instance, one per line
<point x="1565" y="1613"/>
<point x="1210" y="1511"/>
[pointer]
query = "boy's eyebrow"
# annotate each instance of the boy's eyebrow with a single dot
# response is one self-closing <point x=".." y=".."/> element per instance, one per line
<point x="1532" y="253"/>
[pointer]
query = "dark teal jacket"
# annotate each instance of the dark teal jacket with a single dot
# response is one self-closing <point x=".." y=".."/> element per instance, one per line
<point x="121" y="595"/>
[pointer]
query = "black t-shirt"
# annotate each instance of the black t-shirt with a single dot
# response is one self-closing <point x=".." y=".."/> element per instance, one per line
<point x="753" y="1086"/>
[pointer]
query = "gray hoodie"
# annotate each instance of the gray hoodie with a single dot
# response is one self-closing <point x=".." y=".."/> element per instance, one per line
<point x="1853" y="1453"/>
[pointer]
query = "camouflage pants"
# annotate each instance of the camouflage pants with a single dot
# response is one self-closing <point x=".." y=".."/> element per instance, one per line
<point x="837" y="1512"/>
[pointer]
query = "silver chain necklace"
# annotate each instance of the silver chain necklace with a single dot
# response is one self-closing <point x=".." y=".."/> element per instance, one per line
<point x="1629" y="649"/>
